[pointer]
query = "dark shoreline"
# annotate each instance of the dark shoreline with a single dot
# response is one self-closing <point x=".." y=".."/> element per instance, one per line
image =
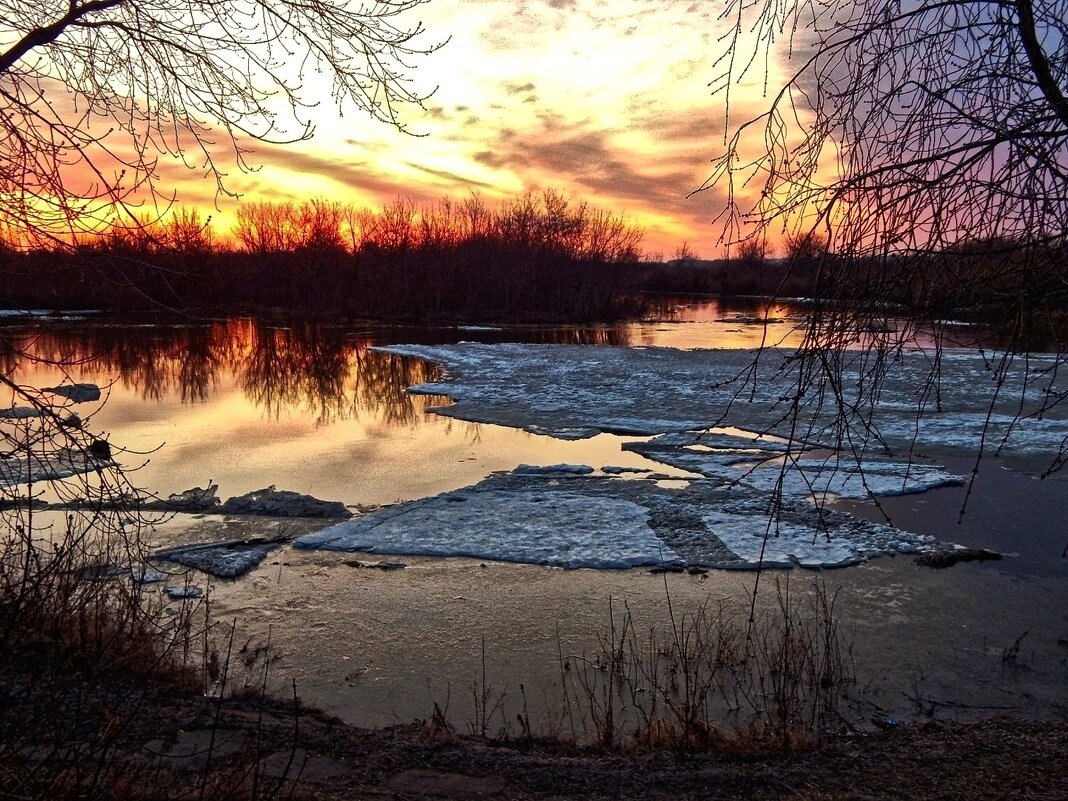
<point x="182" y="742"/>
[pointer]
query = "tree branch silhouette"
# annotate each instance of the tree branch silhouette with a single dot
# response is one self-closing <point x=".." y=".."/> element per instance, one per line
<point x="93" y="94"/>
<point x="925" y="143"/>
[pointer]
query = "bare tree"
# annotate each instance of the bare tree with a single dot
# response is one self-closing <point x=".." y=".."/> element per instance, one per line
<point x="925" y="143"/>
<point x="907" y="125"/>
<point x="95" y="97"/>
<point x="94" y="93"/>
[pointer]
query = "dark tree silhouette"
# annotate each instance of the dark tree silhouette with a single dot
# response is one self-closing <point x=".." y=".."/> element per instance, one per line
<point x="93" y="93"/>
<point x="925" y="146"/>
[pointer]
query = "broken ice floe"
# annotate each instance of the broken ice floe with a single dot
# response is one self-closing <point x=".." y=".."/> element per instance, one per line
<point x="569" y="390"/>
<point x="195" y="499"/>
<point x="601" y="522"/>
<point x="148" y="575"/>
<point x="554" y="469"/>
<point x="273" y="502"/>
<point x="226" y="559"/>
<point x="554" y="527"/>
<point x="181" y="592"/>
<point x="21" y="413"/>
<point x="266" y="502"/>
<point x="25" y="468"/>
<point x="754" y="500"/>
<point x="76" y="393"/>
<point x="760" y="464"/>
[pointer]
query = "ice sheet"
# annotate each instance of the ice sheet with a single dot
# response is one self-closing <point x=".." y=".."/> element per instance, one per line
<point x="602" y="522"/>
<point x="575" y="390"/>
<point x="540" y="525"/>
<point x="759" y="495"/>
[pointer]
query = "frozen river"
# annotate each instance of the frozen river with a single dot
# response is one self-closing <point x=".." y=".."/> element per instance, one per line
<point x="580" y="447"/>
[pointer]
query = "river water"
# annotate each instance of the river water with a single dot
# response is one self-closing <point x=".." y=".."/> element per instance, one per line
<point x="311" y="407"/>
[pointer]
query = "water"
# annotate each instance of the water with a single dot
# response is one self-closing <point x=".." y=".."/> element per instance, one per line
<point x="310" y="407"/>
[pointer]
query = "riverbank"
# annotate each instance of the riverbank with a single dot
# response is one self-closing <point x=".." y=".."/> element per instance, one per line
<point x="188" y="746"/>
<point x="990" y="760"/>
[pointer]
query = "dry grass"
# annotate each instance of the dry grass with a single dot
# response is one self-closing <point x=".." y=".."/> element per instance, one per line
<point x="91" y="658"/>
<point x="715" y="679"/>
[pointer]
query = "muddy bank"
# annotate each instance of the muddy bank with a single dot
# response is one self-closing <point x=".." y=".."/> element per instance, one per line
<point x="183" y="743"/>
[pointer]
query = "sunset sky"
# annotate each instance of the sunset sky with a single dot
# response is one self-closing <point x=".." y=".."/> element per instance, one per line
<point x="607" y="101"/>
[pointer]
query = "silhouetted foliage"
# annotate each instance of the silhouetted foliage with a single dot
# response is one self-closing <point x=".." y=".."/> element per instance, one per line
<point x="926" y="144"/>
<point x="93" y="92"/>
<point x="536" y="257"/>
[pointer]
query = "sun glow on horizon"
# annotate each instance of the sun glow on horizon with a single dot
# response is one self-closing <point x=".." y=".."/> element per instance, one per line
<point x="607" y="104"/>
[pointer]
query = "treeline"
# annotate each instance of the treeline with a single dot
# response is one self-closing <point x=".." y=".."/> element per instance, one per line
<point x="1021" y="287"/>
<point x="747" y="270"/>
<point x="536" y="257"/>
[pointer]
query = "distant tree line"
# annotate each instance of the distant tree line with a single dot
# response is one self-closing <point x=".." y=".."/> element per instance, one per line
<point x="538" y="256"/>
<point x="1008" y="285"/>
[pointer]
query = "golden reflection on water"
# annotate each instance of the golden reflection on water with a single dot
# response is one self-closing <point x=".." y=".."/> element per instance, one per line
<point x="314" y="370"/>
<point x="313" y="408"/>
<point x="308" y="407"/>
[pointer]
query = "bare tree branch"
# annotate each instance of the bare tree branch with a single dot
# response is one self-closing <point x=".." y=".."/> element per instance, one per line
<point x="93" y="93"/>
<point x="926" y="143"/>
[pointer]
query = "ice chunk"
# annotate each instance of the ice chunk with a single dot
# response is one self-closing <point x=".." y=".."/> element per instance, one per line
<point x="21" y="413"/>
<point x="226" y="559"/>
<point x="757" y="541"/>
<point x="273" y="502"/>
<point x="537" y="526"/>
<point x="196" y="499"/>
<point x="77" y="393"/>
<point x="183" y="591"/>
<point x="148" y="575"/>
<point x="64" y="463"/>
<point x="554" y="469"/>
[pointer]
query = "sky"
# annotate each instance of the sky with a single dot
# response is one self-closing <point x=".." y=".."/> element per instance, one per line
<point x="608" y="102"/>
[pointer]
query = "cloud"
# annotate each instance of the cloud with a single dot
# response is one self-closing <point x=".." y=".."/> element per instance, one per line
<point x="652" y="184"/>
<point x="365" y="176"/>
<point x="590" y="158"/>
<point x="606" y="101"/>
<point x="451" y="179"/>
<point x="517" y="88"/>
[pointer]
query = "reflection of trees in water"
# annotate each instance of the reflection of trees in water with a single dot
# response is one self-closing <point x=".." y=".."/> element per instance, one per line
<point x="592" y="335"/>
<point x="302" y="367"/>
<point x="152" y="360"/>
<point x="318" y="370"/>
<point x="382" y="380"/>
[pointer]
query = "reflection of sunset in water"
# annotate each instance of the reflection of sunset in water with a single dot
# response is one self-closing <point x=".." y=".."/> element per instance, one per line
<point x="314" y="408"/>
<point x="737" y="324"/>
<point x="308" y="407"/>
